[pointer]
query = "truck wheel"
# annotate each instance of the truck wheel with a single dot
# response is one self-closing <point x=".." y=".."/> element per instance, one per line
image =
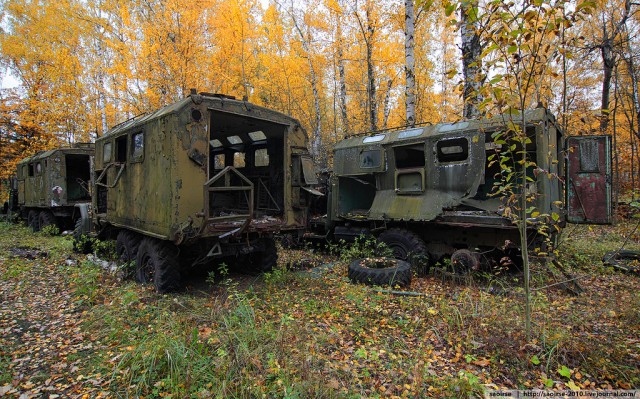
<point x="81" y="242"/>
<point x="46" y="218"/>
<point x="32" y="220"/>
<point x="464" y="261"/>
<point x="127" y="244"/>
<point x="265" y="261"/>
<point x="399" y="274"/>
<point x="157" y="263"/>
<point x="407" y="246"/>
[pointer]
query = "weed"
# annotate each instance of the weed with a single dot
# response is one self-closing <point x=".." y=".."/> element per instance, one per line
<point x="277" y="277"/>
<point x="50" y="230"/>
<point x="362" y="247"/>
<point x="87" y="282"/>
<point x="105" y="249"/>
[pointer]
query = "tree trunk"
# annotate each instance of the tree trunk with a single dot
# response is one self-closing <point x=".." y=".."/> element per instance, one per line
<point x="371" y="77"/>
<point x="387" y="104"/>
<point x="608" y="62"/>
<point x="342" y="81"/>
<point x="409" y="68"/>
<point x="471" y="62"/>
<point x="316" y="138"/>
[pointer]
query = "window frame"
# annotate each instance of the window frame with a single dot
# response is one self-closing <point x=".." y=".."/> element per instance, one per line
<point x="133" y="158"/>
<point x="443" y="158"/>
<point x="104" y="145"/>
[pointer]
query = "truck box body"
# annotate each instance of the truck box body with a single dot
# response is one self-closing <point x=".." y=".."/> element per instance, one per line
<point x="53" y="182"/>
<point x="202" y="167"/>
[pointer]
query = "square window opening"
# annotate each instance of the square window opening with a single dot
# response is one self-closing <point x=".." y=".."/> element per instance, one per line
<point x="107" y="152"/>
<point x="370" y="159"/>
<point x="121" y="149"/>
<point x="239" y="160"/>
<point x="410" y="156"/>
<point x="453" y="150"/>
<point x="261" y="157"/>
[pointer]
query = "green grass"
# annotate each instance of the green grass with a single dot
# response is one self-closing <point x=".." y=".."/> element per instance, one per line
<point x="291" y="336"/>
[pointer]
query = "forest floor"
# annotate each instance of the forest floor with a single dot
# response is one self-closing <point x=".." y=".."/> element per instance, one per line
<point x="71" y="328"/>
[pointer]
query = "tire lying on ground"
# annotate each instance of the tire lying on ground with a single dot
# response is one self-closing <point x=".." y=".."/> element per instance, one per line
<point x="623" y="259"/>
<point x="398" y="274"/>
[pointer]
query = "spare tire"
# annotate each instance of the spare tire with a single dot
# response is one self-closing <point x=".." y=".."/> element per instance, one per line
<point x="398" y="274"/>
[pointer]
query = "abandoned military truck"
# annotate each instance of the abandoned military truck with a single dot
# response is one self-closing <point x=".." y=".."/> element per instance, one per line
<point x="50" y="185"/>
<point x="208" y="177"/>
<point x="427" y="192"/>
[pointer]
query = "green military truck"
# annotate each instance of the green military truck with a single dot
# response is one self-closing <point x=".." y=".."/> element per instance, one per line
<point x="427" y="191"/>
<point x="50" y="184"/>
<point x="208" y="177"/>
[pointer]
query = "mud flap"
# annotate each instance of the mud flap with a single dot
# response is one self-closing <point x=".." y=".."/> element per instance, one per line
<point x="85" y="217"/>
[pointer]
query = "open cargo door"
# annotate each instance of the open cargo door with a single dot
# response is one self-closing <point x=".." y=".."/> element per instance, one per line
<point x="588" y="187"/>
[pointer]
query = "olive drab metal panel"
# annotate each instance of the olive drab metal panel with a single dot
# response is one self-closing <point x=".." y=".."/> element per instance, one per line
<point x="588" y="180"/>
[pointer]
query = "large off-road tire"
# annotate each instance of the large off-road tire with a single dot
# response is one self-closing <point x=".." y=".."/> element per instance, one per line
<point x="266" y="260"/>
<point x="33" y="220"/>
<point x="127" y="244"/>
<point x="400" y="274"/>
<point x="407" y="246"/>
<point x="157" y="263"/>
<point x="81" y="242"/>
<point x="46" y="218"/>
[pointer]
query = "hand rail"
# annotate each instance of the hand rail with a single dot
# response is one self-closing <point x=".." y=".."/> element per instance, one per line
<point x="104" y="172"/>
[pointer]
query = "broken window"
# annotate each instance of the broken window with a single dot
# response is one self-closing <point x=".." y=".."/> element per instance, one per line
<point x="218" y="161"/>
<point x="410" y="156"/>
<point x="453" y="150"/>
<point x="137" y="141"/>
<point x="30" y="169"/>
<point x="121" y="149"/>
<point x="239" y="160"/>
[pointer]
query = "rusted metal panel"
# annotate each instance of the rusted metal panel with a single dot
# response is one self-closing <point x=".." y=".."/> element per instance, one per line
<point x="588" y="187"/>
<point x="170" y="191"/>
<point x="55" y="178"/>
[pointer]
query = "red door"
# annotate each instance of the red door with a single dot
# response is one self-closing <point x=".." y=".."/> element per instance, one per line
<point x="588" y="182"/>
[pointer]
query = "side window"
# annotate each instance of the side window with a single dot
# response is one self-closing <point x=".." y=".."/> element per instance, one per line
<point x="238" y="160"/>
<point x="121" y="149"/>
<point x="137" y="147"/>
<point x="31" y="173"/>
<point x="410" y="156"/>
<point x="218" y="161"/>
<point x="370" y="159"/>
<point x="262" y="157"/>
<point x="38" y="168"/>
<point x="589" y="156"/>
<point x="107" y="152"/>
<point x="452" y="150"/>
